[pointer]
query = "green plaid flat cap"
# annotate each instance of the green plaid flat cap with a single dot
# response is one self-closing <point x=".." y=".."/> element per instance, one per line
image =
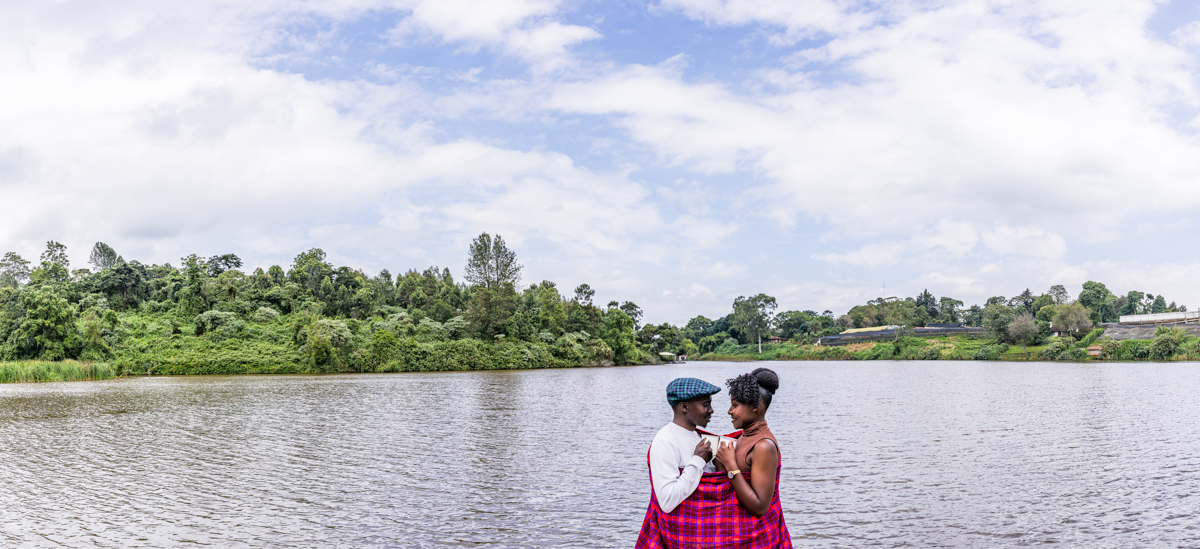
<point x="687" y="388"/>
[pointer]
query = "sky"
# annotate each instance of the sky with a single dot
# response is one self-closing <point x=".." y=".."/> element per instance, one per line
<point x="674" y="153"/>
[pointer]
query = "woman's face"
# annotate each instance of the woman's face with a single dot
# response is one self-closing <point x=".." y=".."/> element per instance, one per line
<point x="742" y="414"/>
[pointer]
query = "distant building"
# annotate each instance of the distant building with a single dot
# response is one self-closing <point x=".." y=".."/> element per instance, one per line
<point x="1161" y="318"/>
<point x="775" y="340"/>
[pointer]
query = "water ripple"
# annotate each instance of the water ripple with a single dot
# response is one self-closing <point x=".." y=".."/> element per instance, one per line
<point x="875" y="455"/>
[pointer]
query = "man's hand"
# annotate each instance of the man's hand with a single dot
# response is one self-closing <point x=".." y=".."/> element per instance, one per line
<point x="726" y="457"/>
<point x="704" y="450"/>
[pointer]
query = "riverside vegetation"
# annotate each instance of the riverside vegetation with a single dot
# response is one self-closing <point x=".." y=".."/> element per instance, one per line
<point x="209" y="317"/>
<point x="1050" y="326"/>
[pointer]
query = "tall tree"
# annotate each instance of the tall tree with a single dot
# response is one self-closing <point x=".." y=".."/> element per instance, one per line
<point x="1023" y="329"/>
<point x="1060" y="295"/>
<point x="1073" y="318"/>
<point x="996" y="318"/>
<point x="218" y="264"/>
<point x="1159" y="305"/>
<point x="753" y="315"/>
<point x="14" y="270"/>
<point x="1023" y="301"/>
<point x="926" y="301"/>
<point x="1100" y="302"/>
<point x="584" y="295"/>
<point x="948" y="309"/>
<point x="633" y="312"/>
<point x="490" y="263"/>
<point x="56" y="254"/>
<point x="103" y="257"/>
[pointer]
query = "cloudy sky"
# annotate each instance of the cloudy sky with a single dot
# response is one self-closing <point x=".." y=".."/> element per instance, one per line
<point x="676" y="153"/>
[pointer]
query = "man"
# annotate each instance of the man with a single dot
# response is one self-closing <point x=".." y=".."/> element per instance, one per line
<point x="678" y="446"/>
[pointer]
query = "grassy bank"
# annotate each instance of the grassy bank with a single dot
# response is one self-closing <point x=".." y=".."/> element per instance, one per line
<point x="904" y="348"/>
<point x="33" y="371"/>
<point x="1168" y="345"/>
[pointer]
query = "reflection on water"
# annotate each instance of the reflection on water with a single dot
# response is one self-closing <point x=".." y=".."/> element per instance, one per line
<point x="875" y="454"/>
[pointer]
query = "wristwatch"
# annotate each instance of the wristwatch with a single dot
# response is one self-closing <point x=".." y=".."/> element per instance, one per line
<point x="734" y="473"/>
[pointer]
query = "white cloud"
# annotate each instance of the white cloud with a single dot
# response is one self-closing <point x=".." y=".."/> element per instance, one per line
<point x="1019" y="114"/>
<point x="970" y="146"/>
<point x="799" y="19"/>
<point x="871" y="255"/>
<point x="522" y="28"/>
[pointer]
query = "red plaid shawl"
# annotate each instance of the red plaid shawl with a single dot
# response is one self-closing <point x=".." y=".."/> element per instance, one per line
<point x="712" y="518"/>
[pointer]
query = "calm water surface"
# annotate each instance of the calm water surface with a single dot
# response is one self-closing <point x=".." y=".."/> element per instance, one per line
<point x="889" y="454"/>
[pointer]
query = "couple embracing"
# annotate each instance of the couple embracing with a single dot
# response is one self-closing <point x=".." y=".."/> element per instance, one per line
<point x="716" y="497"/>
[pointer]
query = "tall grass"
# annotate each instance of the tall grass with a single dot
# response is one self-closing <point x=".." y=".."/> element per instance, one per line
<point x="33" y="371"/>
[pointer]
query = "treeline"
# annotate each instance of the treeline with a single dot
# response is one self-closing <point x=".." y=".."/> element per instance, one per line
<point x="208" y="316"/>
<point x="1053" y="317"/>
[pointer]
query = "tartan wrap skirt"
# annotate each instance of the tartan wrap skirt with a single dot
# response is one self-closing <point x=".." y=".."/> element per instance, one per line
<point x="712" y="518"/>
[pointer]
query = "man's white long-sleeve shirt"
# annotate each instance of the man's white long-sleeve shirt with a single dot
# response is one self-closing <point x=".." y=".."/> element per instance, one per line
<point x="673" y="448"/>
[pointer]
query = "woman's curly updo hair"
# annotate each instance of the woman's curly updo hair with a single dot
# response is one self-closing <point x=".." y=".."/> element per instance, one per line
<point x="754" y="388"/>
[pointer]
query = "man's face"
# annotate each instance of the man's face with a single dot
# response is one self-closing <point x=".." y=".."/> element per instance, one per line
<point x="699" y="410"/>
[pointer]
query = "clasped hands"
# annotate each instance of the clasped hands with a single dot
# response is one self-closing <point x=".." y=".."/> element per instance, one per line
<point x="725" y="456"/>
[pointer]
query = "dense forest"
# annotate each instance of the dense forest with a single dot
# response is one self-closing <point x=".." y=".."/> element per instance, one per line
<point x="209" y="316"/>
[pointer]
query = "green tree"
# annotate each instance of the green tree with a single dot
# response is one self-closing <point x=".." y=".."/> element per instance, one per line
<point x="277" y="275"/>
<point x="925" y="300"/>
<point x="218" y="264"/>
<point x="309" y="269"/>
<point x="996" y="318"/>
<point x="1046" y="313"/>
<point x="633" y="312"/>
<point x="584" y="295"/>
<point x="753" y="315"/>
<point x="1023" y="329"/>
<point x="1023" y="301"/>
<point x="490" y="263"/>
<point x="193" y="299"/>
<point x="14" y="270"/>
<point x="1073" y="318"/>
<point x="618" y="333"/>
<point x="1041" y="301"/>
<point x="1159" y="305"/>
<point x="56" y="254"/>
<point x="47" y="330"/>
<point x="1100" y="302"/>
<point x="948" y="309"/>
<point x="490" y="311"/>
<point x="1059" y="293"/>
<point x="103" y="257"/>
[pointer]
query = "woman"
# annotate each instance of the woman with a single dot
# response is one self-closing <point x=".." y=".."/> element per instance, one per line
<point x="753" y="466"/>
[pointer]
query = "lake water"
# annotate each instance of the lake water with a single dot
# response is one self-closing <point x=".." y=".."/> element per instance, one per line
<point x="876" y="454"/>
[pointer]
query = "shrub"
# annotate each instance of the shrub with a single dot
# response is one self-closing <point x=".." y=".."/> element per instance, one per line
<point x="1053" y="349"/>
<point x="987" y="352"/>
<point x="883" y="351"/>
<point x="1074" y="353"/>
<point x="1091" y="338"/>
<point x="265" y="315"/>
<point x="1110" y="349"/>
<point x="1166" y="340"/>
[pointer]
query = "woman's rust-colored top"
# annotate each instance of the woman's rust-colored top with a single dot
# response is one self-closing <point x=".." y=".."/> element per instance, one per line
<point x="751" y="434"/>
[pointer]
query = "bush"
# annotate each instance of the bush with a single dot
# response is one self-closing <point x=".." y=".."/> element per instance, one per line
<point x="883" y="351"/>
<point x="1091" y="338"/>
<point x="265" y="315"/>
<point x="1110" y="349"/>
<point x="987" y="352"/>
<point x="1166" y="341"/>
<point x="1074" y="353"/>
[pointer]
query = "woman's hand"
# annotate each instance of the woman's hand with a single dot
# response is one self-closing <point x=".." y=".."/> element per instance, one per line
<point x="726" y="457"/>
